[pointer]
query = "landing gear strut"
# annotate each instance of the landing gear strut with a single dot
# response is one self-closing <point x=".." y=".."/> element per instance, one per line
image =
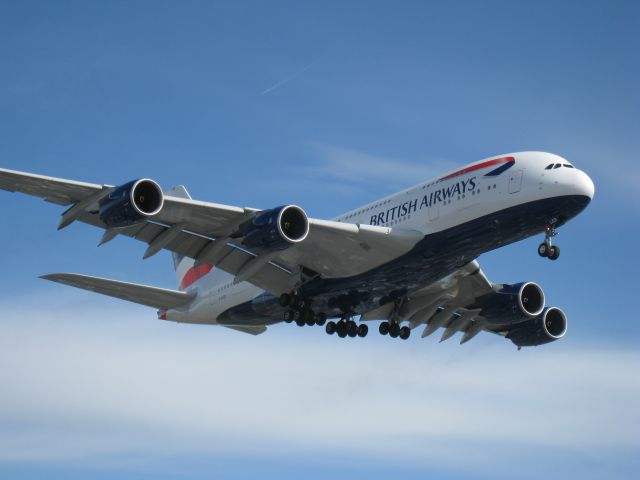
<point x="546" y="249"/>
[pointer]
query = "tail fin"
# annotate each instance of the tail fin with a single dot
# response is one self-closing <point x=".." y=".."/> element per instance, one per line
<point x="187" y="272"/>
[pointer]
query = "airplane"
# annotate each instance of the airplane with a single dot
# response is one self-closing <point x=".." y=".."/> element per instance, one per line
<point x="408" y="260"/>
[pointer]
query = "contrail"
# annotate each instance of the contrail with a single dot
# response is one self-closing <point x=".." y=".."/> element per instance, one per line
<point x="286" y="80"/>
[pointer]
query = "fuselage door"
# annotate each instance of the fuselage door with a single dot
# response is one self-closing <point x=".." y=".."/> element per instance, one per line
<point x="515" y="181"/>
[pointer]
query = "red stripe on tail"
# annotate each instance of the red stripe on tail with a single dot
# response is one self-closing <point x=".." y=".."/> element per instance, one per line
<point x="194" y="274"/>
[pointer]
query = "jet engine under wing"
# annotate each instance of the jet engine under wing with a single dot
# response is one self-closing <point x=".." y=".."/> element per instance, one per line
<point x="150" y="296"/>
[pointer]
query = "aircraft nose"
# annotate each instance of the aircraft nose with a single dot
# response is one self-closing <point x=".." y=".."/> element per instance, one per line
<point x="585" y="185"/>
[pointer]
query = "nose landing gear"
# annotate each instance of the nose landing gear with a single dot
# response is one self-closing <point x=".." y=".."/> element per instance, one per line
<point x="546" y="249"/>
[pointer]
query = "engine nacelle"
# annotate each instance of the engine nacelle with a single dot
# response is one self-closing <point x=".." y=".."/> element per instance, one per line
<point x="547" y="327"/>
<point x="276" y="229"/>
<point x="131" y="203"/>
<point x="512" y="303"/>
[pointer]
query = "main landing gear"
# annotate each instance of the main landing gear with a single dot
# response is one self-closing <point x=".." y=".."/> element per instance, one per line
<point x="347" y="327"/>
<point x="545" y="249"/>
<point x="300" y="311"/>
<point x="394" y="330"/>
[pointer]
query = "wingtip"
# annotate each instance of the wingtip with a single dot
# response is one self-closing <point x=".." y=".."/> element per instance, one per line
<point x="53" y="277"/>
<point x="50" y="277"/>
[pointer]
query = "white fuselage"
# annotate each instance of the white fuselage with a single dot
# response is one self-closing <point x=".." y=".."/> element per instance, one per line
<point x="429" y="207"/>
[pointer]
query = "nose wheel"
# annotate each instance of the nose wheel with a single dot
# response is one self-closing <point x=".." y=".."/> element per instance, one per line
<point x="546" y="249"/>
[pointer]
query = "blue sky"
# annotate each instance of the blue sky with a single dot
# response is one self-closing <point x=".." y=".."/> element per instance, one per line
<point x="327" y="105"/>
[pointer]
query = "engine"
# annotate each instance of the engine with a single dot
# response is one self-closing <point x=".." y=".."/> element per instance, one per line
<point x="276" y="229"/>
<point x="131" y="203"/>
<point x="512" y="303"/>
<point x="547" y="327"/>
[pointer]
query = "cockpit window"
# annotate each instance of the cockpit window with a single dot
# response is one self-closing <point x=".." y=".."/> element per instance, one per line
<point x="549" y="167"/>
<point x="568" y="166"/>
<point x="557" y="165"/>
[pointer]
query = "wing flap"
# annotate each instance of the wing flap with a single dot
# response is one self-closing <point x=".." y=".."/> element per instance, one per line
<point x="155" y="297"/>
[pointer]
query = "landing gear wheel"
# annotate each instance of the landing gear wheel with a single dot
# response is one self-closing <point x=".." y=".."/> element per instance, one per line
<point x="384" y="328"/>
<point x="284" y="300"/>
<point x="331" y="328"/>
<point x="362" y="330"/>
<point x="394" y="330"/>
<point x="321" y="318"/>
<point x="554" y="253"/>
<point x="546" y="249"/>
<point x="353" y="329"/>
<point x="542" y="250"/>
<point x="405" y="332"/>
<point x="307" y="317"/>
<point x="341" y="328"/>
<point x="288" y="316"/>
<point x="300" y="322"/>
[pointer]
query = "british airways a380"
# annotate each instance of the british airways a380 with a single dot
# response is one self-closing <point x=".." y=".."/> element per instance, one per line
<point x="408" y="260"/>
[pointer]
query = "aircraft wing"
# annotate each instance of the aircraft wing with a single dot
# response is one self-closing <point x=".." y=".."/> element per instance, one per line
<point x="205" y="231"/>
<point x="445" y="304"/>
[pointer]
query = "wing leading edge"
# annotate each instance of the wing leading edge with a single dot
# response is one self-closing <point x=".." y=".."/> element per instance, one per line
<point x="205" y="231"/>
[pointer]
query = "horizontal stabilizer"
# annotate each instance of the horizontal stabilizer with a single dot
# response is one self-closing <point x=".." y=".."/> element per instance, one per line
<point x="159" y="298"/>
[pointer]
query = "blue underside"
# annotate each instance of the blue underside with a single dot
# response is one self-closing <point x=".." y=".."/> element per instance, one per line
<point x="434" y="257"/>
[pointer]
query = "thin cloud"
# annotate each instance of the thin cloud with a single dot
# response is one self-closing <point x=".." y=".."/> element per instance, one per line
<point x="286" y="80"/>
<point x="87" y="382"/>
<point x="355" y="166"/>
